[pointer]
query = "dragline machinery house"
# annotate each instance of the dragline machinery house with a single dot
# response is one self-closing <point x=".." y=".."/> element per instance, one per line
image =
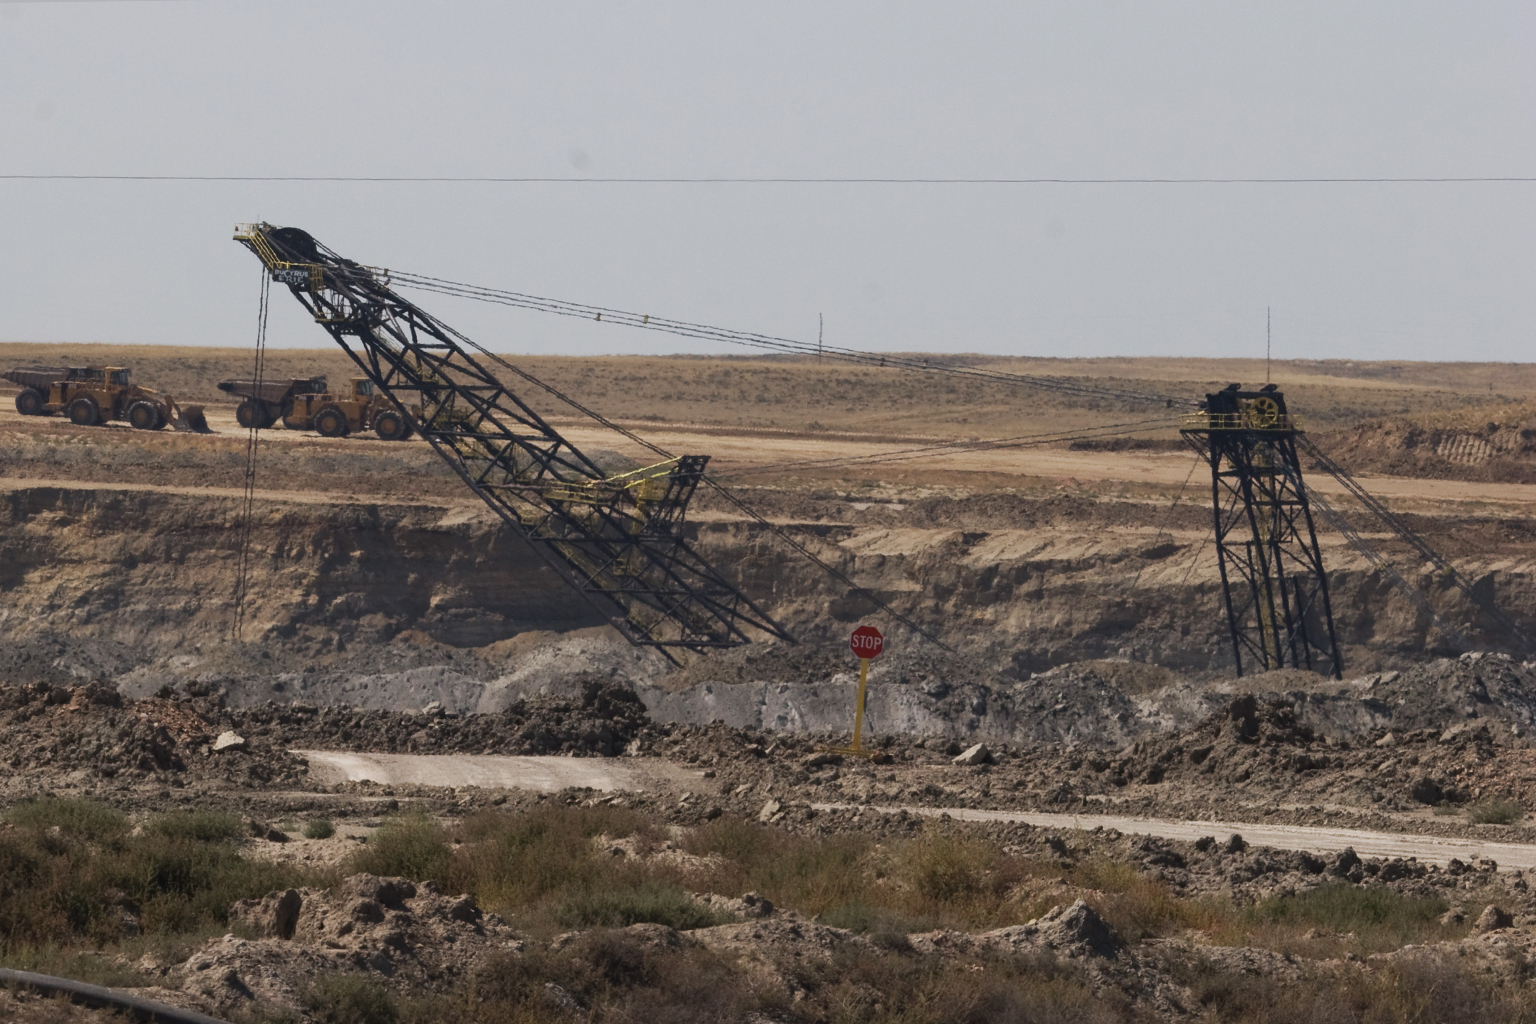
<point x="618" y="539"/>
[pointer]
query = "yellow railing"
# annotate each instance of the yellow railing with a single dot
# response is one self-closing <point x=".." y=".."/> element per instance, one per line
<point x="252" y="234"/>
<point x="604" y="490"/>
<point x="1280" y="423"/>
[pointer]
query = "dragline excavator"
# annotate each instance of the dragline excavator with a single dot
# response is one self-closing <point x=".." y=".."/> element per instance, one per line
<point x="616" y="538"/>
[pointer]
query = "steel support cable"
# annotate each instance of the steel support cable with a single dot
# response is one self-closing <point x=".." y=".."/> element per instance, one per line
<point x="1413" y="540"/>
<point x="97" y="996"/>
<point x="252" y="441"/>
<point x="952" y="447"/>
<point x="718" y="487"/>
<point x="1168" y="516"/>
<point x="768" y="342"/>
<point x="1384" y="566"/>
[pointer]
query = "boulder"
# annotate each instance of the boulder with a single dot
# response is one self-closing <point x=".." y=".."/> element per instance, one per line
<point x="1078" y="925"/>
<point x="1492" y="919"/>
<point x="978" y="754"/>
<point x="228" y="740"/>
<point x="1426" y="790"/>
<point x="275" y="915"/>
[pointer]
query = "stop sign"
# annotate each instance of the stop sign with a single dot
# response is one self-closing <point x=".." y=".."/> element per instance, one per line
<point x="867" y="642"/>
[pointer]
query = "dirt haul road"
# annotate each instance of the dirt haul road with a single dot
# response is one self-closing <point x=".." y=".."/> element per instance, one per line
<point x="491" y="771"/>
<point x="552" y="774"/>
<point x="739" y="457"/>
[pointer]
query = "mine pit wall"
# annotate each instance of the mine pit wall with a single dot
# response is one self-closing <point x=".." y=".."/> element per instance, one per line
<point x="156" y="570"/>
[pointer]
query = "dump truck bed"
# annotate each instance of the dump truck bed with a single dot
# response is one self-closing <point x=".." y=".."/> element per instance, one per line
<point x="41" y="377"/>
<point x="274" y="390"/>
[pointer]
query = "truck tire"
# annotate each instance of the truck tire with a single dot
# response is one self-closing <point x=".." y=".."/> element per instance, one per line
<point x="330" y="421"/>
<point x="83" y="412"/>
<point x="392" y="425"/>
<point x="249" y="414"/>
<point x="30" y="402"/>
<point x="145" y="416"/>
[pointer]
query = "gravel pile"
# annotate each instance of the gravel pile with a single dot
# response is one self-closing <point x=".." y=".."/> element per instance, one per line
<point x="88" y="735"/>
<point x="599" y="721"/>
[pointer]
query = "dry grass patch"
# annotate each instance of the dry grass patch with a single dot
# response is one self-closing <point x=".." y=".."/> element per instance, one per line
<point x="76" y="874"/>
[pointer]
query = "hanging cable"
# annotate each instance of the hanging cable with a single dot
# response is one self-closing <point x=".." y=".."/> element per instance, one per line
<point x="954" y="447"/>
<point x="252" y="441"/>
<point x="715" y="485"/>
<point x="1168" y="517"/>
<point x="683" y="328"/>
<point x="1061" y="385"/>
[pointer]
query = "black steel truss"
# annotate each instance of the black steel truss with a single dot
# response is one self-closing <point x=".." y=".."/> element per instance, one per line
<point x="616" y="538"/>
<point x="1272" y="576"/>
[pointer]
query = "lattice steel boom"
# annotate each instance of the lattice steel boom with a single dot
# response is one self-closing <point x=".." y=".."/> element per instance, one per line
<point x="1272" y="576"/>
<point x="616" y="538"/>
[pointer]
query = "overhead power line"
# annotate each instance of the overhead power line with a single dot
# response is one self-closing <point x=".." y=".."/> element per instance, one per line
<point x="496" y="180"/>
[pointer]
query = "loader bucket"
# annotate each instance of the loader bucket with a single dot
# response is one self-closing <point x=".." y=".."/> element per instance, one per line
<point x="191" y="418"/>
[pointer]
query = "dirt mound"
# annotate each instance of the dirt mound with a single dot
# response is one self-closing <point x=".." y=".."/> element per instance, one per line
<point x="1266" y="732"/>
<point x="600" y="720"/>
<point x="48" y="658"/>
<point x="1444" y="692"/>
<point x="1487" y="444"/>
<point x="88" y="734"/>
<point x="408" y="932"/>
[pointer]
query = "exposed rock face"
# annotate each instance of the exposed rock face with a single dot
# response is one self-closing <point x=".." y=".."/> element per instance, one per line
<point x="137" y="587"/>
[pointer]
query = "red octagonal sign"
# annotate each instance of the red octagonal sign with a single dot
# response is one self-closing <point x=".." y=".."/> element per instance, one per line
<point x="867" y="642"/>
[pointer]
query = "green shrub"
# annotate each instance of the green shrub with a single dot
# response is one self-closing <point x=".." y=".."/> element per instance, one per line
<point x="1496" y="812"/>
<point x="1350" y="918"/>
<point x="648" y="903"/>
<point x="79" y="819"/>
<point x="542" y="858"/>
<point x="944" y="869"/>
<point x="199" y="826"/>
<point x="1346" y="908"/>
<point x="875" y="921"/>
<point x="351" y="999"/>
<point x="70" y="871"/>
<point x="1417" y="989"/>
<point x="411" y="846"/>
<point x="320" y="828"/>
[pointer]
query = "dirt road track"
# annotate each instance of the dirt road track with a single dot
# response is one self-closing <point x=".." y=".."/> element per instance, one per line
<point x="1428" y="849"/>
<point x="493" y="771"/>
<point x="551" y="774"/>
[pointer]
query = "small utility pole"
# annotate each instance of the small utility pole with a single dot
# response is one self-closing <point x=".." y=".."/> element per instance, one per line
<point x="821" y="325"/>
<point x="1266" y="344"/>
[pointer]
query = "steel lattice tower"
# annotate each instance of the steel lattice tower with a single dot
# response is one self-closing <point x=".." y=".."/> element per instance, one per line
<point x="1272" y="575"/>
<point x="618" y="538"/>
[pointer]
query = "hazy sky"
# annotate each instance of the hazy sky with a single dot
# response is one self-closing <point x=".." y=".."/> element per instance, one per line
<point x="1071" y="89"/>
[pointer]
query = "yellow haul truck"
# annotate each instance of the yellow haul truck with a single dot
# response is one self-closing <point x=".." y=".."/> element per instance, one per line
<point x="92" y="395"/>
<point x="308" y="403"/>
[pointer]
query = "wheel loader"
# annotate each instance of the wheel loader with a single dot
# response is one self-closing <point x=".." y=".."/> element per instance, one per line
<point x="93" y="395"/>
<point x="307" y="403"/>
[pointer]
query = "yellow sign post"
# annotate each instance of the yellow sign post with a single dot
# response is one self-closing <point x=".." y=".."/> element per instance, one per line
<point x="867" y="643"/>
<point x="858" y="713"/>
